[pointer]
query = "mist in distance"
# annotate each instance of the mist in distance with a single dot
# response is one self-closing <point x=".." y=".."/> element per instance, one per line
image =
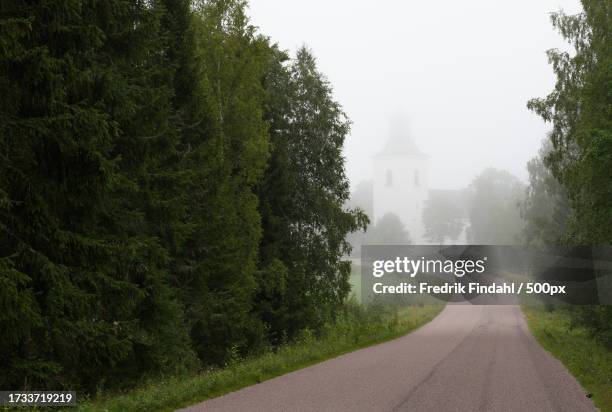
<point x="458" y="73"/>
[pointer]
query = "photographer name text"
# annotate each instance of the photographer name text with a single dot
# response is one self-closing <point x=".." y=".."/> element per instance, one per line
<point x="470" y="288"/>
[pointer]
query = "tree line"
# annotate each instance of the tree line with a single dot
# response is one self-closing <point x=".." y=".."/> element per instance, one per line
<point x="171" y="191"/>
<point x="486" y="212"/>
<point x="569" y="199"/>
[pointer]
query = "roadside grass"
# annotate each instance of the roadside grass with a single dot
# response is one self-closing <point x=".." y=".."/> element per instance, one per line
<point x="587" y="360"/>
<point x="357" y="327"/>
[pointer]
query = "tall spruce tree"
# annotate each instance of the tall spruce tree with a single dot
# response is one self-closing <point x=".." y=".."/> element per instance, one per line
<point x="83" y="87"/>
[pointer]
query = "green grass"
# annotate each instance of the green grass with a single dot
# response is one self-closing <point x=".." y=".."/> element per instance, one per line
<point x="357" y="328"/>
<point x="588" y="361"/>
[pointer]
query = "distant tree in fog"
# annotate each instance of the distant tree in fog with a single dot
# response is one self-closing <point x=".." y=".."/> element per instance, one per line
<point x="546" y="206"/>
<point x="442" y="220"/>
<point x="362" y="198"/>
<point x="388" y="229"/>
<point x="495" y="196"/>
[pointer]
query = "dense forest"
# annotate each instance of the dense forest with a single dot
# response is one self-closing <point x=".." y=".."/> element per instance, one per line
<point x="172" y="191"/>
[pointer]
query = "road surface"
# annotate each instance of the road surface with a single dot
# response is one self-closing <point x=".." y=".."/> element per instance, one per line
<point x="469" y="358"/>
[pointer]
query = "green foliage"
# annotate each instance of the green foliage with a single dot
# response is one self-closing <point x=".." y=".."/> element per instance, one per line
<point x="226" y="151"/>
<point x="580" y="111"/>
<point x="170" y="190"/>
<point x="93" y="303"/>
<point x="356" y="327"/>
<point x="302" y="200"/>
<point x="363" y="197"/>
<point x="571" y="343"/>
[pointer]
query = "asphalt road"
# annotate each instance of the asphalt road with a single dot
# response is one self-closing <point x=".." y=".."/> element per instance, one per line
<point x="469" y="358"/>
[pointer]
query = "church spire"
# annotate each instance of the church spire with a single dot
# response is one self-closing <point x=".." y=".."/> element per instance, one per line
<point x="399" y="142"/>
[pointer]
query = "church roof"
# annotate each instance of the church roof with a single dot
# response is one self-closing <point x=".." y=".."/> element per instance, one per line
<point x="400" y="145"/>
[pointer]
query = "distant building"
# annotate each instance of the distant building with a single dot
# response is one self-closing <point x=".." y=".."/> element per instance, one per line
<point x="401" y="181"/>
<point x="401" y="184"/>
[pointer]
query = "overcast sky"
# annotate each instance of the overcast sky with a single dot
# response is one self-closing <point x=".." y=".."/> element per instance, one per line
<point x="461" y="72"/>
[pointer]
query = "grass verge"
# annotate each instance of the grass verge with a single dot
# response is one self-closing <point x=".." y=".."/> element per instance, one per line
<point x="356" y="328"/>
<point x="587" y="360"/>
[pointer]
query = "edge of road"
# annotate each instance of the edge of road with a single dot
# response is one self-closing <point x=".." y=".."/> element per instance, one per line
<point x="178" y="392"/>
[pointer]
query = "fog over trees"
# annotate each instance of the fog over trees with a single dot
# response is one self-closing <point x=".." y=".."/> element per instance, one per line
<point x="568" y="197"/>
<point x="495" y="196"/>
<point x="442" y="220"/>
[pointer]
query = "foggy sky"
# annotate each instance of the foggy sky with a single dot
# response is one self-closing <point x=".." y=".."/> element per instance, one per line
<point x="461" y="72"/>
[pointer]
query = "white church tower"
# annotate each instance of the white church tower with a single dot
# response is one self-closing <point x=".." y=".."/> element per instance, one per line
<point x="400" y="186"/>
